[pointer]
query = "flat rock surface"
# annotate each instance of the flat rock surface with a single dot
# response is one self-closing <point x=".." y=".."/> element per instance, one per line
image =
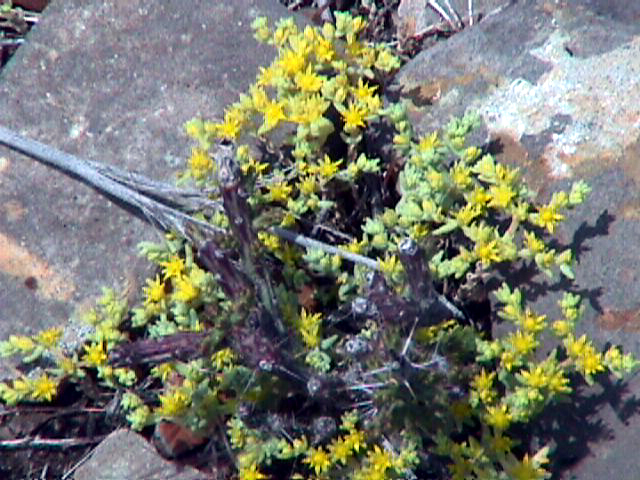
<point x="557" y="87"/>
<point x="125" y="454"/>
<point x="555" y="83"/>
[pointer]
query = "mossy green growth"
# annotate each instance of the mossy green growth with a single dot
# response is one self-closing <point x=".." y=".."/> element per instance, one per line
<point x="331" y="349"/>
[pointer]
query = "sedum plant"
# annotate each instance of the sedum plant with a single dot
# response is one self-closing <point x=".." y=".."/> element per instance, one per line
<point x="334" y="329"/>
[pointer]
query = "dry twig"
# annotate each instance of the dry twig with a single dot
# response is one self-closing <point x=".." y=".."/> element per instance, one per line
<point x="38" y="442"/>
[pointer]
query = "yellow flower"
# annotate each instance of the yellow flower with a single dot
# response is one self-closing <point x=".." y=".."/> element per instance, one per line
<point x="95" y="354"/>
<point x="501" y="195"/>
<point x="471" y="154"/>
<point x="323" y="50"/>
<point x="526" y="470"/>
<point x="466" y="214"/>
<point x="285" y="29"/>
<point x="268" y="77"/>
<point x="535" y="377"/>
<point x="355" y="440"/>
<point x="500" y="443"/>
<point x="50" y="337"/>
<point x="279" y="191"/>
<point x="576" y="348"/>
<point x="310" y="328"/>
<point x="154" y="291"/>
<point x="302" y="44"/>
<point x="355" y="246"/>
<point x="223" y="358"/>
<point x="340" y="450"/>
<point x="367" y="58"/>
<point x="562" y="328"/>
<point x="185" y="290"/>
<point x="173" y="403"/>
<point x="487" y="252"/>
<point x="259" y="98"/>
<point x="390" y="265"/>
<point x="436" y="179"/>
<point x="163" y="371"/>
<point x="21" y="343"/>
<point x="363" y="91"/>
<point x="22" y="386"/>
<point x="505" y="174"/>
<point x="364" y="95"/>
<point x="523" y="342"/>
<point x="251" y="164"/>
<point x="307" y="185"/>
<point x="318" y="459"/>
<point x="200" y="163"/>
<point x="498" y="417"/>
<point x="590" y="363"/>
<point x="479" y="197"/>
<point x="251" y="473"/>
<point x="547" y="217"/>
<point x="269" y="240"/>
<point x="533" y="243"/>
<point x="353" y="117"/>
<point x="326" y="168"/>
<point x="44" y="388"/>
<point x="558" y="383"/>
<point x="173" y="268"/>
<point x="508" y="360"/>
<point x="428" y="142"/>
<point x="483" y="385"/>
<point x="545" y="260"/>
<point x="291" y="62"/>
<point x="273" y="114"/>
<point x="234" y="119"/>
<point x="315" y="106"/>
<point x="461" y="176"/>
<point x="386" y="60"/>
<point x="532" y="322"/>
<point x="307" y="81"/>
<point x="379" y="460"/>
<point x="587" y="360"/>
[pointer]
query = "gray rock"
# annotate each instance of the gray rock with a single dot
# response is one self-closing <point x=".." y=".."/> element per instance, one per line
<point x="125" y="454"/>
<point x="555" y="82"/>
<point x="557" y="86"/>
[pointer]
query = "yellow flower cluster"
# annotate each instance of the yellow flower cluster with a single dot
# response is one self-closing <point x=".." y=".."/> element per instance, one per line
<point x="310" y="328"/>
<point x="40" y="389"/>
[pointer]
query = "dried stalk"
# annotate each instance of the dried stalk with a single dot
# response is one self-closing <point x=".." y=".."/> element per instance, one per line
<point x="158" y="202"/>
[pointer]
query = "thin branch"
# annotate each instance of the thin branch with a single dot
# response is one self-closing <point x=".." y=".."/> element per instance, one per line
<point x="37" y="442"/>
<point x="79" y="463"/>
<point x="145" y="196"/>
<point x="307" y="242"/>
<point x="440" y="11"/>
<point x="459" y="24"/>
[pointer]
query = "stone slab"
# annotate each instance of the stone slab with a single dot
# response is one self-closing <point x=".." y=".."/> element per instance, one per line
<point x="557" y="87"/>
<point x="125" y="454"/>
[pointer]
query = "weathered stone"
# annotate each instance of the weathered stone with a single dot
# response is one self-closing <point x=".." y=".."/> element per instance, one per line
<point x="125" y="454"/>
<point x="555" y="82"/>
<point x="558" y="89"/>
